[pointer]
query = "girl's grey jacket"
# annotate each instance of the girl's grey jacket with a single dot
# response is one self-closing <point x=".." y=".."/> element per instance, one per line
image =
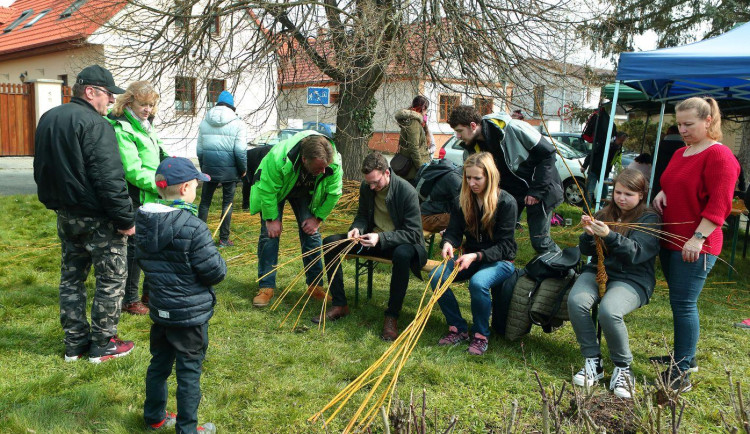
<point x="628" y="258"/>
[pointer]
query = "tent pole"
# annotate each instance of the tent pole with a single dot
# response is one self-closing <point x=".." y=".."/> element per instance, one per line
<point x="608" y="137"/>
<point x="656" y="152"/>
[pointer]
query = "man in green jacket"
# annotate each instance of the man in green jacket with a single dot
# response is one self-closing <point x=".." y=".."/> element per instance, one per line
<point x="388" y="225"/>
<point x="304" y="170"/>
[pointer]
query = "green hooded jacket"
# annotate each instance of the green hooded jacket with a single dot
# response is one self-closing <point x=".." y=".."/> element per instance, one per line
<point x="141" y="154"/>
<point x="278" y="172"/>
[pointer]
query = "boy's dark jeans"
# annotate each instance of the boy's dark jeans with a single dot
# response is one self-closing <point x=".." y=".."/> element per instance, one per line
<point x="187" y="347"/>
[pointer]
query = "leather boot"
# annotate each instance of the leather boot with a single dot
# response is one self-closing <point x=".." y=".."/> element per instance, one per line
<point x="263" y="297"/>
<point x="333" y="314"/>
<point x="390" y="329"/>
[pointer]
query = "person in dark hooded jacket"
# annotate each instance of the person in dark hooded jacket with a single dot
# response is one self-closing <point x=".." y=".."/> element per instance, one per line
<point x="526" y="162"/>
<point x="180" y="261"/>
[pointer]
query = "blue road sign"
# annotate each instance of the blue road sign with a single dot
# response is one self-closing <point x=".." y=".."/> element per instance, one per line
<point x="318" y="95"/>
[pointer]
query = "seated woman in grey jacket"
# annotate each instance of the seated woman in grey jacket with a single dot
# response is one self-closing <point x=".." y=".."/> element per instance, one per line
<point x="629" y="255"/>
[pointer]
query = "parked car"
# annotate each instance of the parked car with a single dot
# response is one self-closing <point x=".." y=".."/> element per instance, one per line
<point x="455" y="153"/>
<point x="573" y="140"/>
<point x="272" y="137"/>
<point x="323" y="128"/>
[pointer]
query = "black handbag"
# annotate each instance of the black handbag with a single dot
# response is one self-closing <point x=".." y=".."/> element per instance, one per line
<point x="553" y="264"/>
<point x="401" y="165"/>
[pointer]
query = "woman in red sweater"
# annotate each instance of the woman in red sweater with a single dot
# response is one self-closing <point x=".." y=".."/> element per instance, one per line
<point x="696" y="198"/>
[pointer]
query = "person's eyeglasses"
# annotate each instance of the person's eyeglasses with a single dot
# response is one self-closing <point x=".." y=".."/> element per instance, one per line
<point x="109" y="94"/>
<point x="375" y="183"/>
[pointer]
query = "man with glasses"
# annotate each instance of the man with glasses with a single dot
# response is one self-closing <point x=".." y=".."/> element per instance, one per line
<point x="388" y="225"/>
<point x="79" y="174"/>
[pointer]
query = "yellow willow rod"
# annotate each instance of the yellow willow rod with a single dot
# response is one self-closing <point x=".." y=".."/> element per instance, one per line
<point x="407" y="338"/>
<point x="303" y="255"/>
<point x="304" y="271"/>
<point x="415" y="331"/>
<point x="325" y="299"/>
<point x="226" y="211"/>
<point x="357" y="383"/>
<point x="323" y="309"/>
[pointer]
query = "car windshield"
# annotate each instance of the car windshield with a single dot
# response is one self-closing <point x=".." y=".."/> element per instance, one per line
<point x="568" y="152"/>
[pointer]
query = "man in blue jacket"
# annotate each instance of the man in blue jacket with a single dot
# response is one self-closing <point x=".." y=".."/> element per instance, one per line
<point x="222" y="154"/>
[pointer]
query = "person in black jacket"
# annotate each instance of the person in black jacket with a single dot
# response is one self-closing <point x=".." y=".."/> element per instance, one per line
<point x="387" y="225"/>
<point x="525" y="160"/>
<point x="668" y="146"/>
<point x="79" y="175"/>
<point x="438" y="185"/>
<point x="180" y="261"/>
<point x="487" y="218"/>
<point x="595" y="161"/>
<point x="629" y="262"/>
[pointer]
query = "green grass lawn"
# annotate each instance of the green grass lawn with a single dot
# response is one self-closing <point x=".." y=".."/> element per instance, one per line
<point x="259" y="378"/>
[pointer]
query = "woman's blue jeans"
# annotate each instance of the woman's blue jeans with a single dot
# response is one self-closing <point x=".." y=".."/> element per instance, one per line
<point x="685" y="280"/>
<point x="482" y="277"/>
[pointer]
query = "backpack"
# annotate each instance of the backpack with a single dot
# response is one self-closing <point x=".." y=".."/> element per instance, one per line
<point x="429" y="174"/>
<point x="589" y="128"/>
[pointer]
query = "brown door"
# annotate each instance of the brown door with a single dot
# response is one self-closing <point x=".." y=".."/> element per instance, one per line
<point x="17" y="119"/>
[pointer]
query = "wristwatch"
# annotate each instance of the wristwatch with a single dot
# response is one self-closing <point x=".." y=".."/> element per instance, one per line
<point x="699" y="236"/>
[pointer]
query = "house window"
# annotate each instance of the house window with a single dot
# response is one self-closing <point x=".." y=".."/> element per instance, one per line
<point x="72" y="8"/>
<point x="216" y="26"/>
<point x="64" y="78"/>
<point x="446" y="105"/>
<point x="37" y="18"/>
<point x="184" y="95"/>
<point x="182" y="14"/>
<point x="25" y="14"/>
<point x="215" y="87"/>
<point x="484" y="105"/>
<point x="334" y="98"/>
<point x="538" y="100"/>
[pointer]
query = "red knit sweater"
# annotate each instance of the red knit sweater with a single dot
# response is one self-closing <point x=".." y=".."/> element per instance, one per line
<point x="699" y="186"/>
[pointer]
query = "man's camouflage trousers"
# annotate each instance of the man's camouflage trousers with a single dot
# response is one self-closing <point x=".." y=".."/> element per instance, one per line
<point x="86" y="241"/>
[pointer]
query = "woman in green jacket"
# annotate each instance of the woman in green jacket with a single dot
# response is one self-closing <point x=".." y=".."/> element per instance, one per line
<point x="412" y="141"/>
<point x="141" y="153"/>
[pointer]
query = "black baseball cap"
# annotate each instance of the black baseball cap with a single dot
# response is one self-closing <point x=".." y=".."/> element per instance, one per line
<point x="177" y="170"/>
<point x="97" y="76"/>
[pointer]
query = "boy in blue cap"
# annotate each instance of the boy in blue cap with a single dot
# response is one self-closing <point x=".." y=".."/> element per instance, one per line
<point x="176" y="252"/>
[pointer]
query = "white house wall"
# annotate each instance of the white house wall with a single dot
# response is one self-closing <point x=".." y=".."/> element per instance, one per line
<point x="253" y="88"/>
<point x="50" y="65"/>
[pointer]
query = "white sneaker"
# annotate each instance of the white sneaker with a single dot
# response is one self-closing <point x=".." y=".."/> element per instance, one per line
<point x="623" y="382"/>
<point x="591" y="372"/>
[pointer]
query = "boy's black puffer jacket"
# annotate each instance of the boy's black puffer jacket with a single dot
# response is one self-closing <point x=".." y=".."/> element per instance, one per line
<point x="180" y="261"/>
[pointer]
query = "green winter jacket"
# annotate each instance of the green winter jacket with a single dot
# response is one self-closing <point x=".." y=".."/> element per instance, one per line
<point x="141" y="154"/>
<point x="278" y="172"/>
<point x="412" y="141"/>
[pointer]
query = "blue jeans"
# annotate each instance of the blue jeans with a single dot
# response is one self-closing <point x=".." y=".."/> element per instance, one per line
<point x="481" y="277"/>
<point x="207" y="194"/>
<point x="268" y="248"/>
<point x="685" y="280"/>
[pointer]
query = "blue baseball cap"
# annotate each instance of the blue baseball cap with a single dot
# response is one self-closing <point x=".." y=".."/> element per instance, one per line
<point x="177" y="170"/>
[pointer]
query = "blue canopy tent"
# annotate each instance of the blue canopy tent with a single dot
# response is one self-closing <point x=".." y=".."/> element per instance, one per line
<point x="718" y="67"/>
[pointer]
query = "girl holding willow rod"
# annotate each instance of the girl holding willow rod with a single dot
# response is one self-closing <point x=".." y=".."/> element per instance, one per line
<point x="487" y="219"/>
<point x="695" y="200"/>
<point x="627" y="228"/>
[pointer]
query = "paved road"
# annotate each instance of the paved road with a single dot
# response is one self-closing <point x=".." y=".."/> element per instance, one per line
<point x="17" y="176"/>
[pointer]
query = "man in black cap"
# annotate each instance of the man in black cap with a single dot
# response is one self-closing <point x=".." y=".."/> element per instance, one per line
<point x="79" y="174"/>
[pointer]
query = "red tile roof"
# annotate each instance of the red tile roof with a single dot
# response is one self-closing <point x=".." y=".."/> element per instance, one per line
<point x="50" y="29"/>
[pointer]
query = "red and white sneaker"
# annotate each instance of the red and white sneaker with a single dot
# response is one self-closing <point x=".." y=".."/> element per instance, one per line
<point x="170" y="420"/>
<point x="207" y="428"/>
<point x="115" y="348"/>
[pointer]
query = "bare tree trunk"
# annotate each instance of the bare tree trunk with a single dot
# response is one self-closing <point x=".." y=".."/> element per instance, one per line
<point x="354" y="127"/>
